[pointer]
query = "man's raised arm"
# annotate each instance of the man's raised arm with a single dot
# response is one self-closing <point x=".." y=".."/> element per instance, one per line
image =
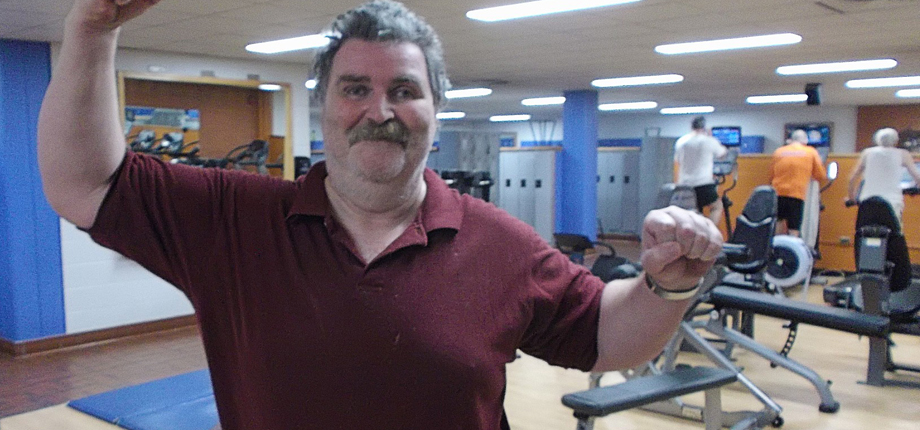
<point x="80" y="137"/>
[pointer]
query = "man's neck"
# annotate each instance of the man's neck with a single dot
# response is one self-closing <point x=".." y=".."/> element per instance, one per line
<point x="375" y="215"/>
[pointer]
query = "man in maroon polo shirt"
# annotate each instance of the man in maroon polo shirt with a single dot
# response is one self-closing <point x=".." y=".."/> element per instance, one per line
<point x="367" y="294"/>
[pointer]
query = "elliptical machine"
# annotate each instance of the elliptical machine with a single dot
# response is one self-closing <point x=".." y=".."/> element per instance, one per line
<point x="793" y="259"/>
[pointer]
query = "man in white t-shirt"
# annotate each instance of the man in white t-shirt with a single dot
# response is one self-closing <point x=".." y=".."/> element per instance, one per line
<point x="694" y="154"/>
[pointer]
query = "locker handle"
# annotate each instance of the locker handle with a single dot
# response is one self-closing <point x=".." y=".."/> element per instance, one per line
<point x="523" y="183"/>
<point x="613" y="179"/>
<point x="507" y="182"/>
<point x="598" y="178"/>
<point x="626" y="179"/>
<point x="538" y="183"/>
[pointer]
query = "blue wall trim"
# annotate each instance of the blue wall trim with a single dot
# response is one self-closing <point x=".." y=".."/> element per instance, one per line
<point x="576" y="184"/>
<point x="31" y="285"/>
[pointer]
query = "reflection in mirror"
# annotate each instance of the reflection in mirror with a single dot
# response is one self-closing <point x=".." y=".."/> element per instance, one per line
<point x="209" y="122"/>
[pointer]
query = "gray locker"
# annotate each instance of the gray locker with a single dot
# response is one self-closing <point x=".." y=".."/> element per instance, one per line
<point x="609" y="190"/>
<point x="656" y="164"/>
<point x="527" y="184"/>
<point x="527" y="209"/>
<point x="618" y="190"/>
<point x="631" y="219"/>
<point x="544" y="186"/>
<point x="508" y="178"/>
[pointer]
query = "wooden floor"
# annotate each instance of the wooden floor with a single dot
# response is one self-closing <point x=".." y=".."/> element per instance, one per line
<point x="43" y="382"/>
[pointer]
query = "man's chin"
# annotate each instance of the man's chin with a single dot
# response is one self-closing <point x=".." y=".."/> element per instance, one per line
<point x="380" y="168"/>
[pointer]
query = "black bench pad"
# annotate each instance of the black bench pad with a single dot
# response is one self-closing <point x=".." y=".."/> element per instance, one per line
<point x="799" y="311"/>
<point x="647" y="389"/>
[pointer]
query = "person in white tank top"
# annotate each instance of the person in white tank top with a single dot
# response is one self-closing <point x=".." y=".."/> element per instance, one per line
<point x="694" y="154"/>
<point x="880" y="169"/>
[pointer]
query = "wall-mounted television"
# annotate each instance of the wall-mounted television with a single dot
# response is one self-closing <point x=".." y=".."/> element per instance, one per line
<point x="819" y="133"/>
<point x="730" y="136"/>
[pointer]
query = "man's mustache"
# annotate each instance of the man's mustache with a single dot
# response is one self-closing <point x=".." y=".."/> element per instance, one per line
<point x="390" y="130"/>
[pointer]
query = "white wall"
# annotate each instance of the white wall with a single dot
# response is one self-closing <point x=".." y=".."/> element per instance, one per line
<point x="103" y="289"/>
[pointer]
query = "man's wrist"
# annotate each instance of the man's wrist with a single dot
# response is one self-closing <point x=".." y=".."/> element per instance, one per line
<point x="669" y="294"/>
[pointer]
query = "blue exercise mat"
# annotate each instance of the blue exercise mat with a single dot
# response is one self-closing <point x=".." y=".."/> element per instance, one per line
<point x="181" y="402"/>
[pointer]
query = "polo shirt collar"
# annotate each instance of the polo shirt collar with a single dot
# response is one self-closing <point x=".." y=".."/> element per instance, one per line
<point x="442" y="207"/>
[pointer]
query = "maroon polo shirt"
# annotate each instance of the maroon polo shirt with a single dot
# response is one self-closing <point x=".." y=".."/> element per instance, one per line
<point x="301" y="334"/>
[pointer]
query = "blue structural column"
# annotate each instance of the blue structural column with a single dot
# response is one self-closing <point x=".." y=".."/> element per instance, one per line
<point x="31" y="286"/>
<point x="576" y="170"/>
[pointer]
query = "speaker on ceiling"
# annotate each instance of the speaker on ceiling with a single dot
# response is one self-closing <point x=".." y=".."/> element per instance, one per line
<point x="813" y="91"/>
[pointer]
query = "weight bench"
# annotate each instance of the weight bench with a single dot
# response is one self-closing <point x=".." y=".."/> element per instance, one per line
<point x="602" y="401"/>
<point x="723" y="297"/>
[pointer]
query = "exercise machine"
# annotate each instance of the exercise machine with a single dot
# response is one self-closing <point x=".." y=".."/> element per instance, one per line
<point x="608" y="265"/>
<point x="656" y="385"/>
<point x="476" y="183"/>
<point x="882" y="285"/>
<point x="793" y="259"/>
<point x="253" y="154"/>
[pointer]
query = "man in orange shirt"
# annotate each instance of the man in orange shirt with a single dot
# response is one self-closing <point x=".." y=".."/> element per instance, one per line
<point x="791" y="171"/>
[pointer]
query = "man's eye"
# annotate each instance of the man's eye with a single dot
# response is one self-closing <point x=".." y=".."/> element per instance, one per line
<point x="355" y="91"/>
<point x="404" y="93"/>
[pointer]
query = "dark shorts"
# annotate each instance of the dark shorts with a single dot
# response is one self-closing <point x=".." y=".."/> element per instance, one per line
<point x="705" y="195"/>
<point x="790" y="209"/>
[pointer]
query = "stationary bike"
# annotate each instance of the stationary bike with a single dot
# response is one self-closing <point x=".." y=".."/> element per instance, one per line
<point x="882" y="285"/>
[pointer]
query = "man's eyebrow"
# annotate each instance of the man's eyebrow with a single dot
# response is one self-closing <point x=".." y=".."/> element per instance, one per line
<point x="353" y="79"/>
<point x="407" y="79"/>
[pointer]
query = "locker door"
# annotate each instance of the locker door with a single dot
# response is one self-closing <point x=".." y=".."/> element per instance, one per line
<point x="544" y="187"/>
<point x="614" y="179"/>
<point x="603" y="195"/>
<point x="508" y="178"/>
<point x="525" y="185"/>
<point x="632" y="219"/>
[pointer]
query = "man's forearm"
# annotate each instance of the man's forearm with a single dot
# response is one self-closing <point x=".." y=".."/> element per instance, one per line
<point x="635" y="324"/>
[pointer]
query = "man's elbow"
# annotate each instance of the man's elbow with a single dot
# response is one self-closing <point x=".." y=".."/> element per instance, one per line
<point x="80" y="211"/>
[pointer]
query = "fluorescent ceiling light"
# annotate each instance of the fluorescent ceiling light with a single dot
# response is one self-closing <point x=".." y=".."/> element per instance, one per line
<point x="914" y="92"/>
<point x="270" y="87"/>
<point x="901" y="81"/>
<point x="310" y="84"/>
<point x="543" y="101"/>
<point x="726" y="44"/>
<point x="292" y="44"/>
<point x="778" y="98"/>
<point x="687" y="110"/>
<point x="451" y="115"/>
<point x="637" y="80"/>
<point x="843" y="66"/>
<point x="468" y="92"/>
<point x="509" y="118"/>
<point x="627" y="106"/>
<point x="535" y="8"/>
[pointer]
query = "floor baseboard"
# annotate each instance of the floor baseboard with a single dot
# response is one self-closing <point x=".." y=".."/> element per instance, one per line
<point x="79" y="339"/>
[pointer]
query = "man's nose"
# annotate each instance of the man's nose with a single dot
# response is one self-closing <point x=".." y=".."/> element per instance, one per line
<point x="379" y="109"/>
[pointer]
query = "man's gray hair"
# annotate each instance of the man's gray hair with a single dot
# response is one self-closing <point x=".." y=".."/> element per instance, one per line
<point x="383" y="21"/>
<point x="887" y="137"/>
<point x="799" y="136"/>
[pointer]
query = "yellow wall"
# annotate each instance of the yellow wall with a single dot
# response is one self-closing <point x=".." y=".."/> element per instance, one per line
<point x="837" y="221"/>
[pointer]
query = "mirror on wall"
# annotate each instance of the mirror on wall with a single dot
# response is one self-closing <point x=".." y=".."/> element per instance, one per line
<point x="209" y="122"/>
